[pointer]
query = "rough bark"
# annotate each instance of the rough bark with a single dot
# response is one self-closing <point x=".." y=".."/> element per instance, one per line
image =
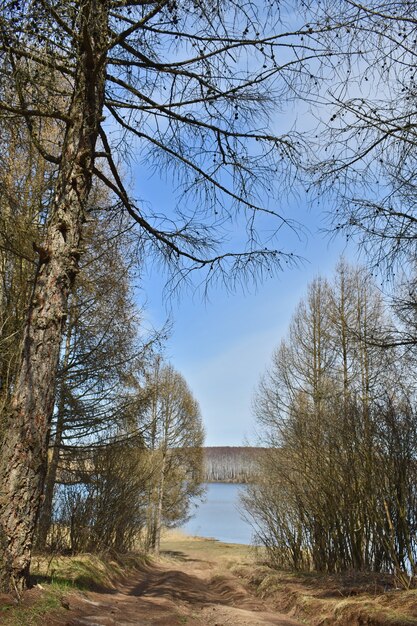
<point x="45" y="516"/>
<point x="24" y="452"/>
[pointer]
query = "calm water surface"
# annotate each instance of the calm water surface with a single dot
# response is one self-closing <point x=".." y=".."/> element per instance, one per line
<point x="219" y="517"/>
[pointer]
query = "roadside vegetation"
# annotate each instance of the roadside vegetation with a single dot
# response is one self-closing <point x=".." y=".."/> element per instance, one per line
<point x="336" y="489"/>
<point x="319" y="599"/>
<point x="124" y="451"/>
<point x="56" y="578"/>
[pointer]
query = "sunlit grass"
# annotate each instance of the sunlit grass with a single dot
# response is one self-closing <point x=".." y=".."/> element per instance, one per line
<point x="48" y="601"/>
<point x="176" y="543"/>
<point x="342" y="600"/>
<point x="55" y="577"/>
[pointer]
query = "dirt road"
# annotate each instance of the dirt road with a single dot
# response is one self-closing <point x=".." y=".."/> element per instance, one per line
<point x="186" y="586"/>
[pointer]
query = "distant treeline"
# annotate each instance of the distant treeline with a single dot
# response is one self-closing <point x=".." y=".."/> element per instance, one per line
<point x="230" y="464"/>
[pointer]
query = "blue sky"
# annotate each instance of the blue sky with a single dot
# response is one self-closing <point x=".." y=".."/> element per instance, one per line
<point x="223" y="345"/>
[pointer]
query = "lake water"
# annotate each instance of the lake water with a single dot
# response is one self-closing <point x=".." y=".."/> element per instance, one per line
<point x="218" y="517"/>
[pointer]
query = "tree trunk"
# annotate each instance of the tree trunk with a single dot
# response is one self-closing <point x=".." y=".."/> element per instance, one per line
<point x="24" y="452"/>
<point x="45" y="516"/>
<point x="159" y="507"/>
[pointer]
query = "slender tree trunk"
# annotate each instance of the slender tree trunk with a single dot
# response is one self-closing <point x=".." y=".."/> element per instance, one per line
<point x="152" y="505"/>
<point x="3" y="362"/>
<point x="24" y="452"/>
<point x="46" y="509"/>
<point x="159" y="506"/>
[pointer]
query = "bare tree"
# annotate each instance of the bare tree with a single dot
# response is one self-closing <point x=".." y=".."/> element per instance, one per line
<point x="101" y="348"/>
<point x="189" y="87"/>
<point x="25" y="180"/>
<point x="103" y="505"/>
<point x="363" y="154"/>
<point x="175" y="439"/>
<point x="336" y="490"/>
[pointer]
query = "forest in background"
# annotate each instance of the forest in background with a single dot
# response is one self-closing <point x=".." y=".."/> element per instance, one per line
<point x="230" y="464"/>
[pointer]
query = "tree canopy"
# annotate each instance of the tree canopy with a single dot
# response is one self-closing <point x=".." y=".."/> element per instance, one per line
<point x="190" y="89"/>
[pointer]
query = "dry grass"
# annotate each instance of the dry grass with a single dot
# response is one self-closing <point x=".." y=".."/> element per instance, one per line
<point x="317" y="600"/>
<point x="320" y="600"/>
<point x="175" y="542"/>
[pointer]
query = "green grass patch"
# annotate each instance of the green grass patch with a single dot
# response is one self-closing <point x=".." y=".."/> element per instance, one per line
<point x="32" y="611"/>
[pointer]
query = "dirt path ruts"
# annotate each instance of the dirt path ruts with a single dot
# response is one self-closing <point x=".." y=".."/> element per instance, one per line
<point x="178" y="590"/>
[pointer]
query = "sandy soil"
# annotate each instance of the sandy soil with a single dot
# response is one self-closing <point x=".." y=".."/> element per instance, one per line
<point x="190" y="584"/>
